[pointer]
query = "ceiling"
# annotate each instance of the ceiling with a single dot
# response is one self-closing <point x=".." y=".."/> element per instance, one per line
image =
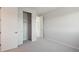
<point x="43" y="10"/>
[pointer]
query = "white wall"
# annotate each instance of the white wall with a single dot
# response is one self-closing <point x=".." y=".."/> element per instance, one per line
<point x="62" y="25"/>
<point x="20" y="15"/>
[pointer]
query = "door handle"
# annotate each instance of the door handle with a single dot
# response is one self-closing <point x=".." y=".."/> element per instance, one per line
<point x="15" y="32"/>
<point x="0" y="32"/>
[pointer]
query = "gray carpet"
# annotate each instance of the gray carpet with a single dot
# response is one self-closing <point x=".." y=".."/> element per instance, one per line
<point x="43" y="46"/>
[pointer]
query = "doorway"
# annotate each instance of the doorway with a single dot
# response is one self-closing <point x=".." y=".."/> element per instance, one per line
<point x="27" y="26"/>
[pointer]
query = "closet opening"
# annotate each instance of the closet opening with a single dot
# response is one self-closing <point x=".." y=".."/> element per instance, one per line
<point x="27" y="27"/>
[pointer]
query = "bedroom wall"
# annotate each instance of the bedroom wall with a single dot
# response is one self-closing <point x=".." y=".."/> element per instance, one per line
<point x="62" y="26"/>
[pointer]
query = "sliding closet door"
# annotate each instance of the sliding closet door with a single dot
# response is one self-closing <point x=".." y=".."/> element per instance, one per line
<point x="0" y="28"/>
<point x="25" y="26"/>
<point x="9" y="34"/>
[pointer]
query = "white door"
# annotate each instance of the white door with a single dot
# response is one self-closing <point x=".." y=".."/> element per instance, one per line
<point x="9" y="32"/>
<point x="39" y="26"/>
